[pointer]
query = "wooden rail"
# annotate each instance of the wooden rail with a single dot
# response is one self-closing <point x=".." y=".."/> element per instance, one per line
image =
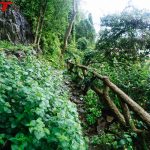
<point x="127" y="102"/>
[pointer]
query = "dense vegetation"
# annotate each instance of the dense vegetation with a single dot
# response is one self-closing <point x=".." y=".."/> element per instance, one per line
<point x="35" y="109"/>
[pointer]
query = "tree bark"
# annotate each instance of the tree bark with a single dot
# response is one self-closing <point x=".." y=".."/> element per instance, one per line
<point x="38" y="25"/>
<point x="110" y="104"/>
<point x="42" y="23"/>
<point x="69" y="29"/>
<point x="145" y="116"/>
<point x="128" y="118"/>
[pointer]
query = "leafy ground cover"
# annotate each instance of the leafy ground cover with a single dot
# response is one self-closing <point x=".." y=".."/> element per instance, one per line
<point x="34" y="108"/>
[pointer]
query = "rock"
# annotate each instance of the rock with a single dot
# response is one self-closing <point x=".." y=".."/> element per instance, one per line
<point x="19" y="54"/>
<point x="81" y="110"/>
<point x="67" y="82"/>
<point x="75" y="100"/>
<point x="109" y="118"/>
<point x="14" y="27"/>
<point x="81" y="105"/>
<point x="101" y="125"/>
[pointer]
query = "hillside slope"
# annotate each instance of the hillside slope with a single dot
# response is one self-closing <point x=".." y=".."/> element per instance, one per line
<point x="34" y="107"/>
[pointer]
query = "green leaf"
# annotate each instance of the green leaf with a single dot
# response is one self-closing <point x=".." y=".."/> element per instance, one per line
<point x="122" y="142"/>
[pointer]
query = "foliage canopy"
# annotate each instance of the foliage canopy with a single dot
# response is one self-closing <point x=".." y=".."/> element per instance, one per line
<point x="125" y="36"/>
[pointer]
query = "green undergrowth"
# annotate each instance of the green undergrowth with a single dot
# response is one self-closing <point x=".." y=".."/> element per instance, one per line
<point x="108" y="141"/>
<point x="7" y="46"/>
<point x="34" y="107"/>
<point x="93" y="108"/>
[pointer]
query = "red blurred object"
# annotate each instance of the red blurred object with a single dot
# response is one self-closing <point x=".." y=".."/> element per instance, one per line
<point x="5" y="5"/>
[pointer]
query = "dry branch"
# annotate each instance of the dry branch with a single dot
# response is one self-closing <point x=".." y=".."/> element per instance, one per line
<point x="145" y="116"/>
<point x="110" y="104"/>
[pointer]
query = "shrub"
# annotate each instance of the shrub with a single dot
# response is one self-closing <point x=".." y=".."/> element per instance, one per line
<point x="34" y="108"/>
<point x="82" y="43"/>
<point x="131" y="78"/>
<point x="93" y="109"/>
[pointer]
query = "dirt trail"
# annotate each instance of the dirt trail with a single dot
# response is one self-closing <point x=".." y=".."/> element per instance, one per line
<point x="76" y="97"/>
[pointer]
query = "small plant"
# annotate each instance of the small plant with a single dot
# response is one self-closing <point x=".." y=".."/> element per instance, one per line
<point x="125" y="142"/>
<point x="105" y="141"/>
<point x="34" y="108"/>
<point x="112" y="141"/>
<point x="7" y="46"/>
<point x="93" y="109"/>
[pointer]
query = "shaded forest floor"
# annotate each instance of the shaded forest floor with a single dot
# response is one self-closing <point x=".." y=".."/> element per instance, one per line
<point x="76" y="94"/>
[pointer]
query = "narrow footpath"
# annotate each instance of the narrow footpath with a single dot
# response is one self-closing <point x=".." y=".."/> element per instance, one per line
<point x="76" y="95"/>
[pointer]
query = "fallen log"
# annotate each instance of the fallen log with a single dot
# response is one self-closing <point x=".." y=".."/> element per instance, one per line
<point x="145" y="116"/>
<point x="110" y="104"/>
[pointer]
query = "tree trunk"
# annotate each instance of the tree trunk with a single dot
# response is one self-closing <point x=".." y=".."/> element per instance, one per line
<point x="38" y="25"/>
<point x="128" y="118"/>
<point x="145" y="116"/>
<point x="69" y="29"/>
<point x="42" y="23"/>
<point x="110" y="104"/>
<point x="133" y="105"/>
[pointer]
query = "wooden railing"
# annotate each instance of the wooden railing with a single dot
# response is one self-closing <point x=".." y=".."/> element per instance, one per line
<point x="127" y="103"/>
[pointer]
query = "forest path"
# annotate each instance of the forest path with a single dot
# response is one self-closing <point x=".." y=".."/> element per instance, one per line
<point x="76" y="96"/>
